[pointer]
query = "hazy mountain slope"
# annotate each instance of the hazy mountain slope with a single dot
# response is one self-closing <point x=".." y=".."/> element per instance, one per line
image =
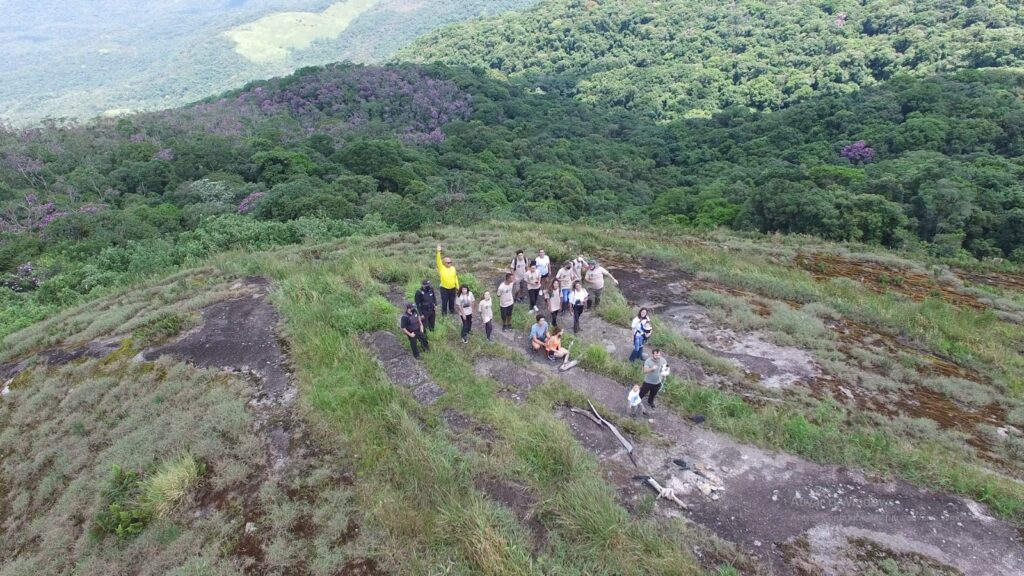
<point x="688" y="58"/>
<point x="82" y="59"/>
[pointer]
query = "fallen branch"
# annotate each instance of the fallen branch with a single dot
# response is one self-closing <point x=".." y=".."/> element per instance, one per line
<point x="663" y="492"/>
<point x="622" y="439"/>
<point x="587" y="414"/>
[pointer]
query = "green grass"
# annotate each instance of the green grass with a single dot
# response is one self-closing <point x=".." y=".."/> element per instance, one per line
<point x="416" y="487"/>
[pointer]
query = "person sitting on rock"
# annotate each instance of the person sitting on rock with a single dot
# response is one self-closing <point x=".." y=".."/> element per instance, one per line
<point x="539" y="333"/>
<point x="554" y="347"/>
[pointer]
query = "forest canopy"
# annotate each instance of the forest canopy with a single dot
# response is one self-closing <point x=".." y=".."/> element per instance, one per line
<point x="677" y="59"/>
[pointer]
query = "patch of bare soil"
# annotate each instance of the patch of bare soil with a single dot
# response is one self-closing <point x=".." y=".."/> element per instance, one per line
<point x="401" y="368"/>
<point x="771" y="499"/>
<point x="520" y="501"/>
<point x="995" y="279"/>
<point x="516" y="382"/>
<point x="882" y="278"/>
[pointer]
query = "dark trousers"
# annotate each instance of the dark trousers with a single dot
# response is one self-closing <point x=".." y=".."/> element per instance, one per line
<point x="488" y="328"/>
<point x="577" y="310"/>
<point x="429" y="317"/>
<point x="506" y="316"/>
<point x="448" y="300"/>
<point x="638" y="347"/>
<point x="651" y="389"/>
<point x="422" y="338"/>
<point x="595" y="297"/>
<point x="554" y="317"/>
<point x="534" y="293"/>
<point x="467" y="325"/>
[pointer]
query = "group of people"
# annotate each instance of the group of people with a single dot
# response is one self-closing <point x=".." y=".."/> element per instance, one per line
<point x="576" y="286"/>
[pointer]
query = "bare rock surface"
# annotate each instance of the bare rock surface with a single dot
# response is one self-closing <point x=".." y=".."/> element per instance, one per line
<point x="771" y="500"/>
<point x="401" y="368"/>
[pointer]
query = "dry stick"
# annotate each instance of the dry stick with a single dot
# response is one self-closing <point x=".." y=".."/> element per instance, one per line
<point x="663" y="492"/>
<point x="587" y="414"/>
<point x="622" y="440"/>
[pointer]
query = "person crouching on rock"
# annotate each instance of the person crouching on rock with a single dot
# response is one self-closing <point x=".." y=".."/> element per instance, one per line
<point x="554" y="347"/>
<point x="426" y="302"/>
<point x="412" y="327"/>
<point x="539" y="333"/>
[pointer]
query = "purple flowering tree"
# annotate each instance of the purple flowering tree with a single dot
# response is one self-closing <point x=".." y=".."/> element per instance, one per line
<point x="249" y="202"/>
<point x="858" y="153"/>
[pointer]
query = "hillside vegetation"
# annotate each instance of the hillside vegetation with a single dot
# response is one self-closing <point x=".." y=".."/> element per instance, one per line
<point x="682" y="59"/>
<point x="486" y="479"/>
<point x="330" y="151"/>
<point x="82" y="60"/>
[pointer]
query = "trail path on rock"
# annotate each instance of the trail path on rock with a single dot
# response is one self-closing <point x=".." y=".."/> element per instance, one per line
<point x="777" y="507"/>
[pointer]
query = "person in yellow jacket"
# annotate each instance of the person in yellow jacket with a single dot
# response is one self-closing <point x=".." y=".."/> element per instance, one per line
<point x="449" y="282"/>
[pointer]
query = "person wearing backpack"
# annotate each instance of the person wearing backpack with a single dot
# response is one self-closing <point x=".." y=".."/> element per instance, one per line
<point x="426" y="303"/>
<point x="412" y="326"/>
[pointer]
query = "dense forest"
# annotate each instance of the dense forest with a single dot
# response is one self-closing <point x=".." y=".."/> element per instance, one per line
<point x="345" y="148"/>
<point x="678" y="59"/>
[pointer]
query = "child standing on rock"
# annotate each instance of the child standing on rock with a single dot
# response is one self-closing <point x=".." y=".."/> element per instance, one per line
<point x="634" y="400"/>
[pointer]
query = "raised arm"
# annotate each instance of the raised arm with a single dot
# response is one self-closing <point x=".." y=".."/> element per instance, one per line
<point x="439" y="264"/>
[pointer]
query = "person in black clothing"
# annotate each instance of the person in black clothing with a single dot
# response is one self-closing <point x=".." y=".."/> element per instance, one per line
<point x="412" y="326"/>
<point x="426" y="303"/>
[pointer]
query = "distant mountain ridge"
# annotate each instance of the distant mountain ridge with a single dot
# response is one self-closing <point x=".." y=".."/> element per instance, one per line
<point x="81" y="60"/>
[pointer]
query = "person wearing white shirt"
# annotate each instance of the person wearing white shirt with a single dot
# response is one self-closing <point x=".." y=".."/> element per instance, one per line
<point x="578" y="300"/>
<point x="641" y="326"/>
<point x="543" y="265"/>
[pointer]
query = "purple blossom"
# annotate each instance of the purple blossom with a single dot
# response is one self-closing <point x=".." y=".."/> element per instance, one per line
<point x="136" y="138"/>
<point x="840" y="19"/>
<point x="858" y="153"/>
<point x="249" y="202"/>
<point x="91" y="208"/>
